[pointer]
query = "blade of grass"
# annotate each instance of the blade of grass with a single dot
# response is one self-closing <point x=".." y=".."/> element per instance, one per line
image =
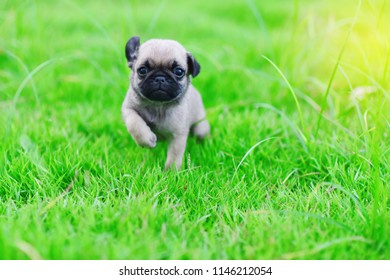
<point x="334" y="71"/>
<point x="292" y="92"/>
<point x="260" y="21"/>
<point x="29" y="78"/>
<point x="386" y="67"/>
<point x="323" y="246"/>
<point x="249" y="151"/>
<point x="26" y="70"/>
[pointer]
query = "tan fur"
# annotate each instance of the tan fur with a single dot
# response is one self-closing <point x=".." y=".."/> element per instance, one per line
<point x="148" y="121"/>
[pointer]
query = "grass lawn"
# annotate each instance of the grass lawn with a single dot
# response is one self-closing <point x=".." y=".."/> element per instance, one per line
<point x="297" y="166"/>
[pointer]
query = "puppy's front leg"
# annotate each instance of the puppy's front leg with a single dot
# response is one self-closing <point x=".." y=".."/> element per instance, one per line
<point x="176" y="150"/>
<point x="139" y="130"/>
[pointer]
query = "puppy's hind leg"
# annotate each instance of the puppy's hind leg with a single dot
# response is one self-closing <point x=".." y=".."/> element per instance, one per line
<point x="201" y="129"/>
<point x="176" y="150"/>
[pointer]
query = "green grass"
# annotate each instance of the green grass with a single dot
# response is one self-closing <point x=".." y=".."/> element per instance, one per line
<point x="294" y="169"/>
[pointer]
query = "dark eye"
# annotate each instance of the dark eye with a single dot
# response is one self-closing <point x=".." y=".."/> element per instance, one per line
<point x="178" y="71"/>
<point x="142" y="71"/>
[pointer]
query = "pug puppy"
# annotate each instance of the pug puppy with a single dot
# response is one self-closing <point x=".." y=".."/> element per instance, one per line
<point x="161" y="102"/>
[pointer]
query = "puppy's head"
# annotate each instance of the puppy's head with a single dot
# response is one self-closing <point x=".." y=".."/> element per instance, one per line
<point x="160" y="69"/>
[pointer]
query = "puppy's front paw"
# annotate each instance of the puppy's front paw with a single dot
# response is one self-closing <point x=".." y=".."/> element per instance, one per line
<point x="174" y="166"/>
<point x="147" y="139"/>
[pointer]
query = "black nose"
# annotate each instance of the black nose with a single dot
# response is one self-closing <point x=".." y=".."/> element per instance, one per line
<point x="160" y="80"/>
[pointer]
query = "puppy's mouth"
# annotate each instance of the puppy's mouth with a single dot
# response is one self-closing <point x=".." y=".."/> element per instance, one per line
<point x="160" y="95"/>
<point x="160" y="87"/>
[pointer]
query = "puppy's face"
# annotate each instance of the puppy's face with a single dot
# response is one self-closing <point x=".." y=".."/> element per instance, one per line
<point x="161" y="69"/>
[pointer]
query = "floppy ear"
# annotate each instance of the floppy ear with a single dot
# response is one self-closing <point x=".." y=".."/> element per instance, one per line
<point x="193" y="65"/>
<point x="132" y="47"/>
